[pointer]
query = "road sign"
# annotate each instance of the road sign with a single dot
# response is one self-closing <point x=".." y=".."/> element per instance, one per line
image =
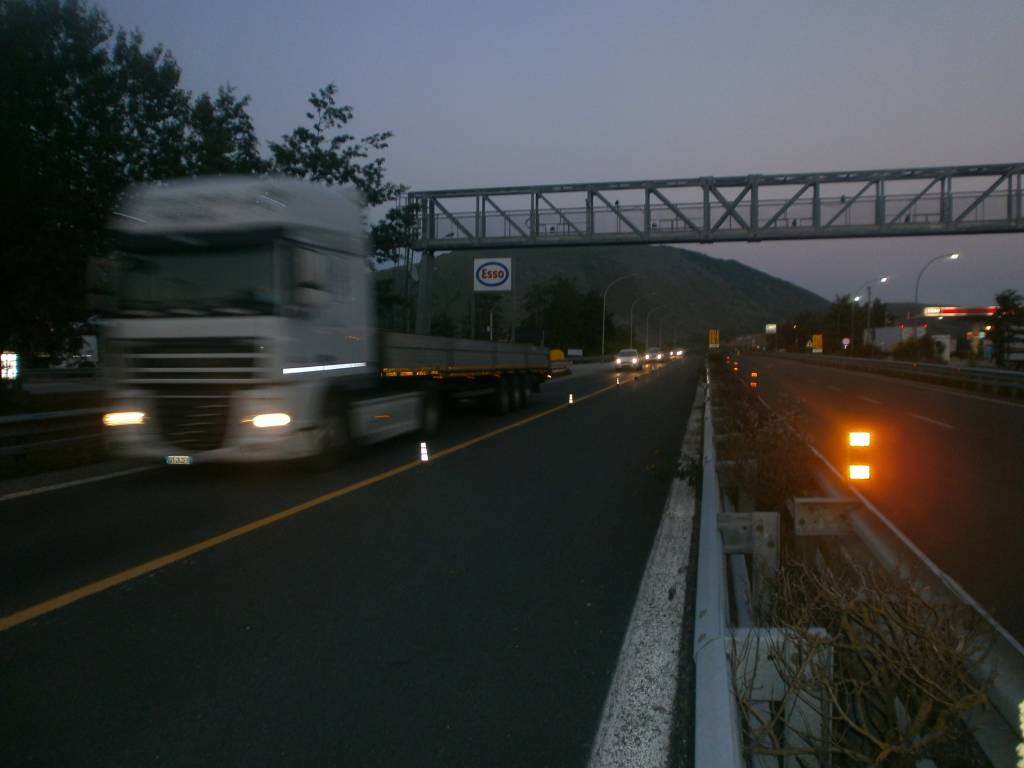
<point x="770" y="328"/>
<point x="492" y="275"/>
<point x="712" y="338"/>
<point x="817" y="343"/>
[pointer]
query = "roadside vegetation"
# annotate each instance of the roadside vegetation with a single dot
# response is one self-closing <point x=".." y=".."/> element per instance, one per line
<point x="870" y="668"/>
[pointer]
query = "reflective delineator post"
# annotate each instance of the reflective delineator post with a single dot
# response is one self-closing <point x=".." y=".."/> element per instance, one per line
<point x="858" y="458"/>
<point x="424" y="455"/>
<point x="570" y="398"/>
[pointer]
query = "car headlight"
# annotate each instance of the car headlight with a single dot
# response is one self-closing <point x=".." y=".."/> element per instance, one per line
<point x="636" y="360"/>
<point x="123" y="418"/>
<point x="660" y="356"/>
<point x="618" y="361"/>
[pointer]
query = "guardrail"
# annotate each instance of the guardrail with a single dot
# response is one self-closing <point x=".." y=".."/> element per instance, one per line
<point x="30" y="432"/>
<point x="718" y="739"/>
<point x="992" y="380"/>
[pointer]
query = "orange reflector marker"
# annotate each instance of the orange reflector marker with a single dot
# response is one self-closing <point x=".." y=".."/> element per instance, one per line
<point x="753" y="374"/>
<point x="860" y="472"/>
<point x="860" y="439"/>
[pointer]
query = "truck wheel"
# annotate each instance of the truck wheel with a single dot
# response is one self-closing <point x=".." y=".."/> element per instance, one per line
<point x="335" y="438"/>
<point x="501" y="399"/>
<point x="515" y="390"/>
<point x="524" y="388"/>
<point x="430" y="414"/>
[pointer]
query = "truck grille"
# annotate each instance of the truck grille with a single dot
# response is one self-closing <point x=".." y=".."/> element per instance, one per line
<point x="210" y="361"/>
<point x="193" y="421"/>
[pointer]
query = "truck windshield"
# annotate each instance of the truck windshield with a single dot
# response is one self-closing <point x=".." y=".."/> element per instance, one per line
<point x="247" y="280"/>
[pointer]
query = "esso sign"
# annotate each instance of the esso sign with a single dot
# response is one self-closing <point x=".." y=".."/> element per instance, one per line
<point x="492" y="274"/>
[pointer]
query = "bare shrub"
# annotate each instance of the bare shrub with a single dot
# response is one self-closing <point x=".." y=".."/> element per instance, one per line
<point x="869" y="670"/>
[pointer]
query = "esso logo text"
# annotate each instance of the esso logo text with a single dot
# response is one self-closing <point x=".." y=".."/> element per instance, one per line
<point x="492" y="274"/>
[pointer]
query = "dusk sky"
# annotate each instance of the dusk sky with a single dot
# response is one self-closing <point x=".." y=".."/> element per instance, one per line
<point x="485" y="94"/>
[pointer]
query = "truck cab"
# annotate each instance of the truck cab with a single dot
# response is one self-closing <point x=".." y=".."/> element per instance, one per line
<point x="242" y="315"/>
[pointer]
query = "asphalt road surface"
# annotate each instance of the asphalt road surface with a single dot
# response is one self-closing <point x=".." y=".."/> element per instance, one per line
<point x="464" y="612"/>
<point x="948" y="467"/>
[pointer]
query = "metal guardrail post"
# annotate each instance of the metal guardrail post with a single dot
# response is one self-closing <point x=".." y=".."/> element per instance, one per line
<point x="716" y="728"/>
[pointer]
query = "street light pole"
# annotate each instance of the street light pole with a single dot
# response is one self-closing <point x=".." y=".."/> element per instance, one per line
<point x="647" y="325"/>
<point x="855" y="302"/>
<point x="638" y="298"/>
<point x="604" y="301"/>
<point x="917" y="285"/>
<point x="661" y="326"/>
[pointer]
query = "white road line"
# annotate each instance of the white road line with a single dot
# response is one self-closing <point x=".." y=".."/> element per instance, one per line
<point x="73" y="483"/>
<point x="942" y="424"/>
<point x="636" y="723"/>
<point x="869" y="400"/>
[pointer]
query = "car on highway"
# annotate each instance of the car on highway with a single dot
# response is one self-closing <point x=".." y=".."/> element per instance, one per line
<point x="676" y="353"/>
<point x="627" y="358"/>
<point x="654" y="355"/>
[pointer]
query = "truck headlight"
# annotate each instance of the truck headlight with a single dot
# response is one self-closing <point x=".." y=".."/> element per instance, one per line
<point x="264" y="420"/>
<point x="123" y="418"/>
<point x="636" y="360"/>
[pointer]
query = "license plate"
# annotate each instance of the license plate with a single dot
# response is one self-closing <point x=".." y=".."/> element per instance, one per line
<point x="178" y="459"/>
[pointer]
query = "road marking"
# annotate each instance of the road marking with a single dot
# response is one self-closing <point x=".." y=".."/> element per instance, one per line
<point x="636" y="722"/>
<point x="73" y="483"/>
<point x="60" y="601"/>
<point x="869" y="400"/>
<point x="942" y="424"/>
<point x="833" y="388"/>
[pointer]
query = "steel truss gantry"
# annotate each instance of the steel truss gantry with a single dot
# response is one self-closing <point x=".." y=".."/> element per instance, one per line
<point x="970" y="199"/>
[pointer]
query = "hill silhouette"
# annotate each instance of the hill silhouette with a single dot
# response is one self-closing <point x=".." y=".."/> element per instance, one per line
<point x="700" y="291"/>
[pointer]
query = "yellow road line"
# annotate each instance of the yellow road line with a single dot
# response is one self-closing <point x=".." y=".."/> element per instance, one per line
<point x="55" y="603"/>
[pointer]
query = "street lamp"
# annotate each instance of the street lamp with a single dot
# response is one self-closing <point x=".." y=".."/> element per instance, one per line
<point x="946" y="256"/>
<point x="661" y="326"/>
<point x="647" y="324"/>
<point x="638" y="298"/>
<point x="604" y="301"/>
<point x="856" y="300"/>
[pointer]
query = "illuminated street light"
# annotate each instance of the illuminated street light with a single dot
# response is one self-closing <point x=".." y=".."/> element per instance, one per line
<point x="638" y="298"/>
<point x="856" y="301"/>
<point x="945" y="256"/>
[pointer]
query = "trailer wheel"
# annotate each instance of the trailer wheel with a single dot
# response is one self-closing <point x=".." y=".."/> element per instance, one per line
<point x="517" y="399"/>
<point x="430" y="413"/>
<point x="523" y="385"/>
<point x="501" y="399"/>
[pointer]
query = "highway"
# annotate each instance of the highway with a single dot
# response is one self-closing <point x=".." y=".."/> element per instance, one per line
<point x="947" y="466"/>
<point x="465" y="611"/>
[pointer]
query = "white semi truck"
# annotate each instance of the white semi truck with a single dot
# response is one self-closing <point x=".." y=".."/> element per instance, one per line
<point x="242" y="327"/>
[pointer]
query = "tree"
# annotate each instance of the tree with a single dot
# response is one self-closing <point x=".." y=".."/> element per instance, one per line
<point x="221" y="138"/>
<point x="153" y="109"/>
<point x="1009" y="314"/>
<point x="564" y="316"/>
<point x="83" y="113"/>
<point x="321" y="152"/>
<point x="61" y="174"/>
